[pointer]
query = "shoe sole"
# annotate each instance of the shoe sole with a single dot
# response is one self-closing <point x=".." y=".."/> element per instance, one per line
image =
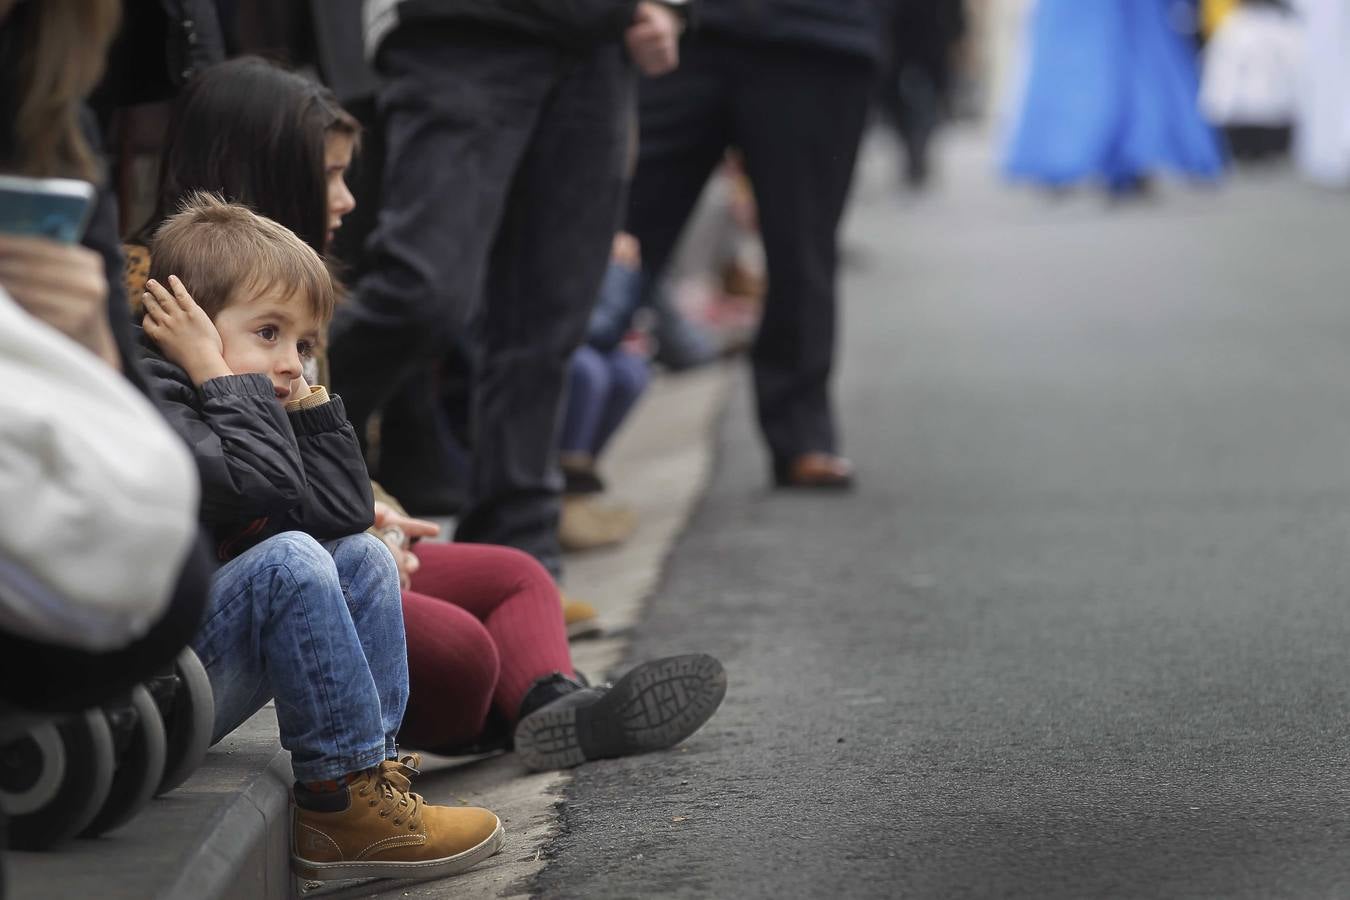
<point x="420" y="871"/>
<point x="655" y="706"/>
<point x="585" y="628"/>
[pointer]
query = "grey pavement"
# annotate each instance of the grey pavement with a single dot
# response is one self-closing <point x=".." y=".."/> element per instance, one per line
<point x="1083" y="630"/>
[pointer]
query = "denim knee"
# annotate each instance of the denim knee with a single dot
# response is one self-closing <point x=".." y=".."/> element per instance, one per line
<point x="630" y="375"/>
<point x="590" y="376"/>
<point x="299" y="554"/>
<point x="365" y="553"/>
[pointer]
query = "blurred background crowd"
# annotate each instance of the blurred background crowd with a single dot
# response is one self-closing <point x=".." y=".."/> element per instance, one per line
<point x="1104" y="93"/>
<point x="482" y="389"/>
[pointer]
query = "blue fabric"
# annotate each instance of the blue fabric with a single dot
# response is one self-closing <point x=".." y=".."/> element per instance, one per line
<point x="602" y="389"/>
<point x="1111" y="94"/>
<point x="620" y="296"/>
<point x="320" y="628"/>
<point x="628" y="378"/>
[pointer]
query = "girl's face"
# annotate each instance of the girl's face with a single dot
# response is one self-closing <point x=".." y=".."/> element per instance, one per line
<point x="337" y="157"/>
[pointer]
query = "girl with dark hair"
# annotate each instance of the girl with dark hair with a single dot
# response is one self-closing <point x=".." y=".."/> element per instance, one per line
<point x="487" y="649"/>
<point x="281" y="158"/>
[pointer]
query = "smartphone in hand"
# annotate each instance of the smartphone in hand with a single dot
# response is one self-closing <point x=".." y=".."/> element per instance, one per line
<point x="55" y="208"/>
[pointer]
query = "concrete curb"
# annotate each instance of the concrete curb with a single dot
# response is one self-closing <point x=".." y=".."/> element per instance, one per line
<point x="248" y="853"/>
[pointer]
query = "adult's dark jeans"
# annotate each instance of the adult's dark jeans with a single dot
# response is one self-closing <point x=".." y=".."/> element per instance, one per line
<point x="502" y="184"/>
<point x="797" y="115"/>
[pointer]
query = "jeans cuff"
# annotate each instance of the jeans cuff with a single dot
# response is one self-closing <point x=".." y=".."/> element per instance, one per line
<point x="333" y="769"/>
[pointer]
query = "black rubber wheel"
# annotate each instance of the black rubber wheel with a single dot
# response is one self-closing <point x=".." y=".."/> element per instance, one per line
<point x="188" y="723"/>
<point x="88" y="744"/>
<point x="31" y="768"/>
<point x="140" y="764"/>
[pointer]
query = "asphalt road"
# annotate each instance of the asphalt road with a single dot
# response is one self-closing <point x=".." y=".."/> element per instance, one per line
<point x="1083" y="630"/>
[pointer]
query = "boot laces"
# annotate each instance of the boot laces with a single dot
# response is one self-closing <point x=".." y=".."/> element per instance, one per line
<point x="391" y="786"/>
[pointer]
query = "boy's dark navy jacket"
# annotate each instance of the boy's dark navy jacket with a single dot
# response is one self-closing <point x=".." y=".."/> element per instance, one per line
<point x="264" y="470"/>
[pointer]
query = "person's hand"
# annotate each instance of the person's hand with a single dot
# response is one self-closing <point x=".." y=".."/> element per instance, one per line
<point x="398" y="532"/>
<point x="183" y="331"/>
<point x="653" y="40"/>
<point x="405" y="559"/>
<point x="415" y="529"/>
<point x="299" y="390"/>
<point x="63" y="285"/>
<point x="626" y="251"/>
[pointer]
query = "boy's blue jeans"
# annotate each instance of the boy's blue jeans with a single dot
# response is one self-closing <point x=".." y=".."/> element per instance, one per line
<point x="318" y="627"/>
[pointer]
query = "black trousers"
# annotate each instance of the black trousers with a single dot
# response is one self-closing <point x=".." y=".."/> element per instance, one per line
<point x="797" y="115"/>
<point x="502" y="184"/>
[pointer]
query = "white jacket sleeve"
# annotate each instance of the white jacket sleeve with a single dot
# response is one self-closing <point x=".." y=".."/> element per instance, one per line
<point x="98" y="497"/>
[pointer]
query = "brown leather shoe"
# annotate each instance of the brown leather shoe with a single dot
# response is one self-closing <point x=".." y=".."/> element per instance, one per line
<point x="816" y="470"/>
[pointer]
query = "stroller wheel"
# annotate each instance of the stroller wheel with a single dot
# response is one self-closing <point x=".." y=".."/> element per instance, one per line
<point x="140" y="762"/>
<point x="188" y="721"/>
<point x="87" y="743"/>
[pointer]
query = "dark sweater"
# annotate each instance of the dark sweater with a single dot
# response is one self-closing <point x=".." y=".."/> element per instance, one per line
<point x="852" y="27"/>
<point x="264" y="470"/>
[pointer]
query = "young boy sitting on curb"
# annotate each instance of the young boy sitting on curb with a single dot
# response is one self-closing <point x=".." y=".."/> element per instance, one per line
<point x="306" y="607"/>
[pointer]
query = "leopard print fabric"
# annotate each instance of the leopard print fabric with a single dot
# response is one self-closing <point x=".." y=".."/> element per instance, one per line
<point x="135" y="274"/>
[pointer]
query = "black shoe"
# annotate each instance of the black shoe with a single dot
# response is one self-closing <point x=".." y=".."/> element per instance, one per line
<point x="581" y="478"/>
<point x="656" y="705"/>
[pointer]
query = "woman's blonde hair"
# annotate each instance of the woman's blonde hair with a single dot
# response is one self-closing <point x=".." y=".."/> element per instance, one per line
<point x="62" y="46"/>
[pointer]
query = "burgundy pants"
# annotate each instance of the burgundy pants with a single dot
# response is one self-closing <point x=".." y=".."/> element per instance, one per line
<point x="483" y="622"/>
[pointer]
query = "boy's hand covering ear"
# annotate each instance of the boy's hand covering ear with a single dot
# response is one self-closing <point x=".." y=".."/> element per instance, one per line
<point x="183" y="331"/>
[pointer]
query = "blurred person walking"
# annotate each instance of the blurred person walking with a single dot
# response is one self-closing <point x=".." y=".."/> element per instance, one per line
<point x="1322" y="131"/>
<point x="505" y="130"/>
<point x="1253" y="66"/>
<point x="1110" y="95"/>
<point x="918" y="75"/>
<point x="788" y="83"/>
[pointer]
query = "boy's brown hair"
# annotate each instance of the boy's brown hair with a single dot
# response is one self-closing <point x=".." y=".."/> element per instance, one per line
<point x="221" y="251"/>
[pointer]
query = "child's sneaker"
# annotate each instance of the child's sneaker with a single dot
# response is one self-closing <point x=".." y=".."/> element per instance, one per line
<point x="378" y="828"/>
<point x="656" y="705"/>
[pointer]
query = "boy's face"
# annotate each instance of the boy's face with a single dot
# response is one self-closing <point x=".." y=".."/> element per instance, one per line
<point x="272" y="334"/>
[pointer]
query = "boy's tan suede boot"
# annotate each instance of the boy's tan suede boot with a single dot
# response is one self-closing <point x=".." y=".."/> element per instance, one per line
<point x="387" y="831"/>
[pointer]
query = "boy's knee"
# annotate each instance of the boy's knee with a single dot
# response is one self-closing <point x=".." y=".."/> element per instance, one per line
<point x="296" y="564"/>
<point x="297" y="550"/>
<point x="364" y="554"/>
